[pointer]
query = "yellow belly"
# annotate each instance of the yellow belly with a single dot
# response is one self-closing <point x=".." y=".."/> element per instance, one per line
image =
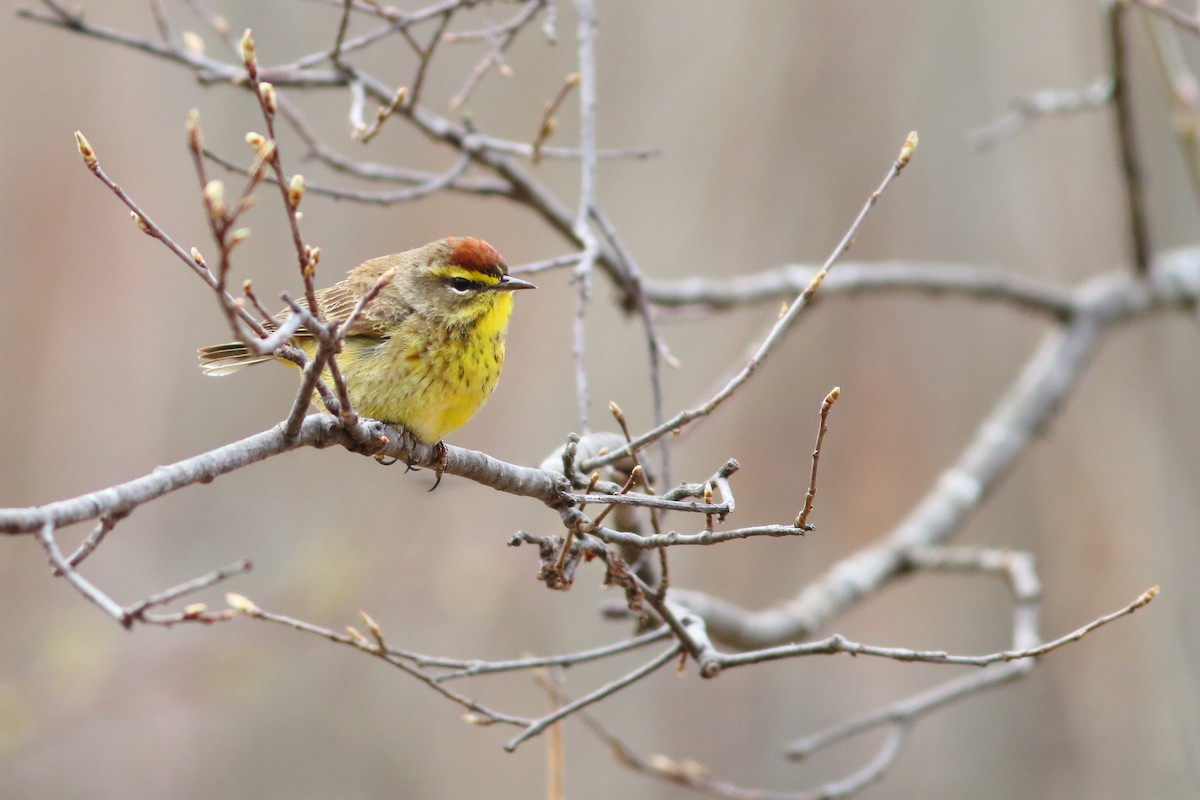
<point x="429" y="382"/>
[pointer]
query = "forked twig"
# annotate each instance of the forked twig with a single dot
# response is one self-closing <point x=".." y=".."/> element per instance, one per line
<point x="777" y="331"/>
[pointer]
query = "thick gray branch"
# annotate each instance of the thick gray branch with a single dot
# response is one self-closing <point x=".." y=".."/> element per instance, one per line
<point x="1022" y="414"/>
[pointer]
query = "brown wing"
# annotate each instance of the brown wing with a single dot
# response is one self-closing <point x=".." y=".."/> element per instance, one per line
<point x="335" y="302"/>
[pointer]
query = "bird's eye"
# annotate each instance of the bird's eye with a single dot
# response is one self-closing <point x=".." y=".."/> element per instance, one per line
<point x="460" y="284"/>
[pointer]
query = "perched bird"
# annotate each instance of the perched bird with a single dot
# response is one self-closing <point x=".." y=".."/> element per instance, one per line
<point x="426" y="352"/>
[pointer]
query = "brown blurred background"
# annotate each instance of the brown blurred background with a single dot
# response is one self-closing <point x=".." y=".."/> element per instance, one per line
<point x="774" y="121"/>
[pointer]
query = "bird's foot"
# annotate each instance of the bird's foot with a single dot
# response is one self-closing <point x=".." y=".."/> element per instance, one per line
<point x="440" y="467"/>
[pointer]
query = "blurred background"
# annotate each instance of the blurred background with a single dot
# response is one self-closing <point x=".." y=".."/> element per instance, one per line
<point x="774" y="121"/>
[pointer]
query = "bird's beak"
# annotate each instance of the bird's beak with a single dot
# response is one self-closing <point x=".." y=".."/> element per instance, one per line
<point x="510" y="284"/>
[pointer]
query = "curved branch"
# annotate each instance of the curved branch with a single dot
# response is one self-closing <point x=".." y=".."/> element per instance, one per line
<point x="1023" y="413"/>
<point x="989" y="284"/>
<point x="317" y="430"/>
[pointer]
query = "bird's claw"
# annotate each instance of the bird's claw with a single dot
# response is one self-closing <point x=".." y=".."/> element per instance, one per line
<point x="409" y="443"/>
<point x="440" y="467"/>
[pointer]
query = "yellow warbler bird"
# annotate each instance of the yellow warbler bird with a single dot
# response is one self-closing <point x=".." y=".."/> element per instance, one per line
<point x="426" y="353"/>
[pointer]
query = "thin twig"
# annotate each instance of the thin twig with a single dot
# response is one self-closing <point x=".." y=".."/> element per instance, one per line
<point x="1046" y="102"/>
<point x="473" y="668"/>
<point x="810" y="495"/>
<point x="81" y="584"/>
<point x="549" y="123"/>
<point x="777" y="331"/>
<point x="138" y="610"/>
<point x="666" y="657"/>
<point x="1183" y="20"/>
<point x="837" y="643"/>
<point x="1184" y="89"/>
<point x="1131" y="172"/>
<point x="500" y="37"/>
<point x="481" y="714"/>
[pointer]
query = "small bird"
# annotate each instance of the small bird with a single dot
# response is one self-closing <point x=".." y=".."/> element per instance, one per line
<point x="426" y="353"/>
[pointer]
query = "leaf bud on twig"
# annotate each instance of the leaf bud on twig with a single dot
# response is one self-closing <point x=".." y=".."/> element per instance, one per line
<point x="214" y="199"/>
<point x="267" y="91"/>
<point x="372" y="626"/>
<point x="194" y="610"/>
<point x="192" y="43"/>
<point x="195" y="137"/>
<point x="295" y="191"/>
<point x="248" y="55"/>
<point x="237" y="237"/>
<point x="141" y="223"/>
<point x="906" y="152"/>
<point x="242" y="604"/>
<point x="85" y="150"/>
<point x="265" y="155"/>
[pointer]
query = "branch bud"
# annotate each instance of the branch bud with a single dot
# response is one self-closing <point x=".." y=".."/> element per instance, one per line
<point x="265" y="155"/>
<point x="192" y="43"/>
<point x="372" y="626"/>
<point x="295" y="192"/>
<point x="140" y="222"/>
<point x="248" y="55"/>
<point x="237" y="237"/>
<point x="214" y="199"/>
<point x="267" y="91"/>
<point x="255" y="140"/>
<point x="195" y="137"/>
<point x="85" y="150"/>
<point x="906" y="152"/>
<point x="243" y="605"/>
<point x="665" y="766"/>
<point x="194" y="610"/>
<point x="198" y="257"/>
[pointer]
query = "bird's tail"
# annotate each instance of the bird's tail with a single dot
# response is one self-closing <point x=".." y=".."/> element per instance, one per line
<point x="223" y="359"/>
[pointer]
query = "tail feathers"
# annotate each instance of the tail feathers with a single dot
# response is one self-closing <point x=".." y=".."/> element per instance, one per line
<point x="224" y="359"/>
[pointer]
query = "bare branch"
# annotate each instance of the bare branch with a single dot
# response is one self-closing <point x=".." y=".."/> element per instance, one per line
<point x="1027" y="408"/>
<point x="1131" y="172"/>
<point x="777" y="331"/>
<point x="1046" y="102"/>
<point x="810" y="495"/>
